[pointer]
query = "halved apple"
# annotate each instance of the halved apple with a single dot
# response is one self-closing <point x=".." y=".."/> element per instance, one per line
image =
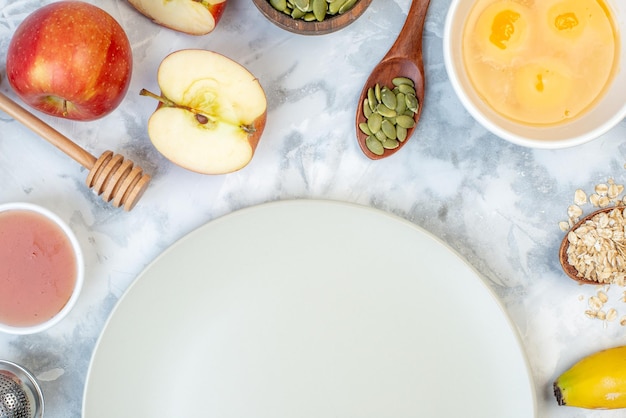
<point x="194" y="17"/>
<point x="211" y="112"/>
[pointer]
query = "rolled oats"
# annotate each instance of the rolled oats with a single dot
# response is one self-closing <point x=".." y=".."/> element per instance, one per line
<point x="580" y="197"/>
<point x="597" y="248"/>
<point x="595" y="252"/>
<point x="602" y="189"/>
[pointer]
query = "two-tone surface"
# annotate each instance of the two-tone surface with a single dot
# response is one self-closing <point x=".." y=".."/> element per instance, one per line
<point x="496" y="204"/>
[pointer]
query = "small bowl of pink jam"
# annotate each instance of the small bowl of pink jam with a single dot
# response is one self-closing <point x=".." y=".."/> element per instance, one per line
<point x="41" y="268"/>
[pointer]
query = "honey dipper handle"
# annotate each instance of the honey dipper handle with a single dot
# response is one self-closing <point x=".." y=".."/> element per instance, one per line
<point x="47" y="132"/>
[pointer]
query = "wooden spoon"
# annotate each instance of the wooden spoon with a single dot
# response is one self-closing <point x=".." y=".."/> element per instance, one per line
<point x="111" y="176"/>
<point x="570" y="270"/>
<point x="404" y="59"/>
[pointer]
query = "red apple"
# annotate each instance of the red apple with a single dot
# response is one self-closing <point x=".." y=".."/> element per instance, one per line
<point x="211" y="112"/>
<point x="70" y="59"/>
<point x="194" y="17"/>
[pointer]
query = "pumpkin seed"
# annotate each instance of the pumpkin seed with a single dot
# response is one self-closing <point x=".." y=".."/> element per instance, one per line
<point x="388" y="129"/>
<point x="380" y="135"/>
<point x="374" y="122"/>
<point x="279" y="5"/>
<point x="347" y="6"/>
<point x="406" y="89"/>
<point x="374" y="145"/>
<point x="385" y="111"/>
<point x="333" y="8"/>
<point x="388" y="97"/>
<point x="405" y="121"/>
<point x="297" y="13"/>
<point x="377" y="92"/>
<point x="402" y="80"/>
<point x="400" y="103"/>
<point x="371" y="99"/>
<point x="411" y="103"/>
<point x="390" y="144"/>
<point x="401" y="133"/>
<point x="320" y="7"/>
<point x="367" y="110"/>
<point x="365" y="128"/>
<point x="302" y="5"/>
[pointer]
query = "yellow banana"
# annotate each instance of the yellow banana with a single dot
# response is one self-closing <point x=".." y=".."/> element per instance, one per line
<point x="598" y="381"/>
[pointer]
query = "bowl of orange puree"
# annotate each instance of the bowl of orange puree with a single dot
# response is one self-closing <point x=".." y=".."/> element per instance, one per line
<point x="539" y="73"/>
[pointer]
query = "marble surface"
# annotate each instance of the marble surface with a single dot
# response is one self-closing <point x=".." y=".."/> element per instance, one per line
<point x="498" y="205"/>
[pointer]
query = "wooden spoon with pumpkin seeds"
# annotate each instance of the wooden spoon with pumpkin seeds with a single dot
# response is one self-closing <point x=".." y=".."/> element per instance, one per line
<point x="403" y="60"/>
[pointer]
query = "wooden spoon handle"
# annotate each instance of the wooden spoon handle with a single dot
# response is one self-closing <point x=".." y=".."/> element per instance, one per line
<point x="110" y="176"/>
<point x="47" y="132"/>
<point x="409" y="41"/>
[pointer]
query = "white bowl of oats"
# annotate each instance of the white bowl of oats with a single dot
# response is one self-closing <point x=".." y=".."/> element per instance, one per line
<point x="540" y="75"/>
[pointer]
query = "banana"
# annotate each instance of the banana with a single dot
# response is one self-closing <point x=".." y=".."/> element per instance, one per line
<point x="598" y="381"/>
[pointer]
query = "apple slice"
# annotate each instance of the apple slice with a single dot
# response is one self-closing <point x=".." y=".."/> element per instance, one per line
<point x="194" y="17"/>
<point x="211" y="112"/>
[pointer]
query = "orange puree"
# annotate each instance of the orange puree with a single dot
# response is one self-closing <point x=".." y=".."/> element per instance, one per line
<point x="540" y="62"/>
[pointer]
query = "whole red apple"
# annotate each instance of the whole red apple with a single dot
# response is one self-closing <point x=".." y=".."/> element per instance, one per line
<point x="70" y="59"/>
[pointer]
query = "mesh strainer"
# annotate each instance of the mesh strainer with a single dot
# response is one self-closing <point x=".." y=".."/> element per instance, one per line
<point x="20" y="395"/>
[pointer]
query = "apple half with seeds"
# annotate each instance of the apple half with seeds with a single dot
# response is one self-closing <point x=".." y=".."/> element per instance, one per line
<point x="211" y="112"/>
<point x="194" y="17"/>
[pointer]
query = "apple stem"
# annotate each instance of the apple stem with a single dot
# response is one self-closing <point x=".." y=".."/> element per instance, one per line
<point x="200" y="117"/>
<point x="162" y="99"/>
<point x="64" y="108"/>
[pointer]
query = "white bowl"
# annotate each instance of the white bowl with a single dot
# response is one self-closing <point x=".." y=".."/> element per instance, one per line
<point x="73" y="297"/>
<point x="608" y="111"/>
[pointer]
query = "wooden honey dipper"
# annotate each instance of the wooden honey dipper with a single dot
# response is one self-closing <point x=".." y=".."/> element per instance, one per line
<point x="111" y="176"/>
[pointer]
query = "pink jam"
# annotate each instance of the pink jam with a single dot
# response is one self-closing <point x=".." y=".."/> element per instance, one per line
<point x="37" y="268"/>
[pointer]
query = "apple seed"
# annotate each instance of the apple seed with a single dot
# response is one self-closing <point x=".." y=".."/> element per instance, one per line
<point x="203" y="120"/>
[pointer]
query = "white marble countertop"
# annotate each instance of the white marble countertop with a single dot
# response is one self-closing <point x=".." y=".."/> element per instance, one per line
<point x="498" y="205"/>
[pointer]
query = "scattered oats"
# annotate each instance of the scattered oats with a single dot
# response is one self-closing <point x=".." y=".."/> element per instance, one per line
<point x="614" y="191"/>
<point x="611" y="315"/>
<point x="602" y="189"/>
<point x="564" y="226"/>
<point x="601" y="315"/>
<point x="593" y="314"/>
<point x="602" y="296"/>
<point x="595" y="303"/>
<point x="580" y="197"/>
<point x="622" y="321"/>
<point x="574" y="212"/>
<point x="604" y="201"/>
<point x="594" y="199"/>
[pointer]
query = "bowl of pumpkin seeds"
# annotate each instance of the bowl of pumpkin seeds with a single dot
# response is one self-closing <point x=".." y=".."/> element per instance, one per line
<point x="312" y="17"/>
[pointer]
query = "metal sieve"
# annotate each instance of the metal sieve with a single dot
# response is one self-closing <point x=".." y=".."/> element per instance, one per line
<point x="20" y="395"/>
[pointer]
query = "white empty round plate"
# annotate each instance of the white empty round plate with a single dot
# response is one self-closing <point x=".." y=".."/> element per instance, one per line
<point x="308" y="309"/>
